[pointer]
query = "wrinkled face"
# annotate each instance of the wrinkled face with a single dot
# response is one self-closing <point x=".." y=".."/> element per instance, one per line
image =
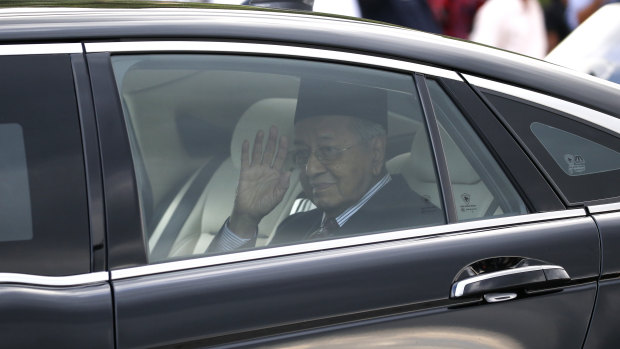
<point x="334" y="185"/>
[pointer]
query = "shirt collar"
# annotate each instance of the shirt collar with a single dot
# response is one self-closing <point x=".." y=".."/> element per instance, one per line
<point x="348" y="213"/>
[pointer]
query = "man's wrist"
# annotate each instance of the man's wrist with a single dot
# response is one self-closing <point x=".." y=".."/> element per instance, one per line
<point x="243" y="226"/>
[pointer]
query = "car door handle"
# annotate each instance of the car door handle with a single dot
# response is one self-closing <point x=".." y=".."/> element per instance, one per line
<point x="508" y="279"/>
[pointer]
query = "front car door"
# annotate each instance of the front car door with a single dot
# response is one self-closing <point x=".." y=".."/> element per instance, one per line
<point x="504" y="265"/>
<point x="54" y="289"/>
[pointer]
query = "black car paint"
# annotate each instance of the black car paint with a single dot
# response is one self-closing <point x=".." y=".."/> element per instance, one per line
<point x="601" y="334"/>
<point x="406" y="279"/>
<point x="56" y="317"/>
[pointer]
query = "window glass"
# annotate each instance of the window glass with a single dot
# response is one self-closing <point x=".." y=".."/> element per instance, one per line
<point x="43" y="207"/>
<point x="575" y="155"/>
<point x="207" y="185"/>
<point x="15" y="213"/>
<point x="582" y="161"/>
<point x="479" y="186"/>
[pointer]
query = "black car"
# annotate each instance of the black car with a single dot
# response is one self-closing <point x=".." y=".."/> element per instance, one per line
<point x="121" y="135"/>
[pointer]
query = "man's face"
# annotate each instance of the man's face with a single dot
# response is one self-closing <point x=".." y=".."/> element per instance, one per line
<point x="333" y="186"/>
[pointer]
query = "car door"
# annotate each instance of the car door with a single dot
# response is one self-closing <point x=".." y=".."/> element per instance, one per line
<point x="578" y="150"/>
<point x="52" y="294"/>
<point x="507" y="265"/>
<point x="601" y="335"/>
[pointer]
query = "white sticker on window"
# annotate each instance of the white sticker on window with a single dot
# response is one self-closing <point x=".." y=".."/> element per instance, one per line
<point x="576" y="163"/>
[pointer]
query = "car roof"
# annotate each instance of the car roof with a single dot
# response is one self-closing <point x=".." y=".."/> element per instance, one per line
<point x="89" y="21"/>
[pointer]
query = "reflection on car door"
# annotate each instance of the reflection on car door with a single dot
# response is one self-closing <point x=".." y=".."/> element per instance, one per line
<point x="602" y="334"/>
<point x="378" y="293"/>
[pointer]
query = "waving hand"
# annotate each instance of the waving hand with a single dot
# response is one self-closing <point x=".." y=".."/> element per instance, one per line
<point x="262" y="182"/>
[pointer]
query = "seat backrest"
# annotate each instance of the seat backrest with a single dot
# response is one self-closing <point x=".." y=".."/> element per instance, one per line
<point x="472" y="197"/>
<point x="217" y="199"/>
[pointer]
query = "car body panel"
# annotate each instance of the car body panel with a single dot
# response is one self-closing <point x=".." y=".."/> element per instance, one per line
<point x="79" y="307"/>
<point x="601" y="335"/>
<point x="222" y="303"/>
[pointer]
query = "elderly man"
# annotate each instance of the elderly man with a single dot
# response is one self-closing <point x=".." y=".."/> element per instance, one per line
<point x="339" y="146"/>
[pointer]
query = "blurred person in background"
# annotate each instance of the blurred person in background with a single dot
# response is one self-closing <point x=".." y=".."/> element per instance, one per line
<point x="456" y="17"/>
<point x="578" y="11"/>
<point x="414" y="14"/>
<point x="338" y="7"/>
<point x="555" y="21"/>
<point x="514" y="25"/>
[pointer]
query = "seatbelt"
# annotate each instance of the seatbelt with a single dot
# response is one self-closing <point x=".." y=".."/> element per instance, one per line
<point x="184" y="208"/>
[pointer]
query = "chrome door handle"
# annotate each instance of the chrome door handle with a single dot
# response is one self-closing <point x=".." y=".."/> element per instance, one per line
<point x="508" y="279"/>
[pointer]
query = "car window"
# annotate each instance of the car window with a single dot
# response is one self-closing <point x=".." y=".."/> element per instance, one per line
<point x="575" y="155"/>
<point x="583" y="161"/>
<point x="188" y="117"/>
<point x="44" y="222"/>
<point x="479" y="186"/>
<point x="15" y="212"/>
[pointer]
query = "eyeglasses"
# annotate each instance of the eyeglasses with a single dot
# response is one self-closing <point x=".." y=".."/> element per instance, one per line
<point x="325" y="154"/>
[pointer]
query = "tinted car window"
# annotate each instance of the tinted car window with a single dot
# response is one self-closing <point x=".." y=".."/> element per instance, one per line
<point x="188" y="117"/>
<point x="575" y="155"/>
<point x="43" y="204"/>
<point x="15" y="213"/>
<point x="479" y="186"/>
<point x="580" y="159"/>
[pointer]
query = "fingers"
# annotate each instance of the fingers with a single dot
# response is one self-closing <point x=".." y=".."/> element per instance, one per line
<point x="257" y="151"/>
<point x="245" y="156"/>
<point x="282" y="151"/>
<point x="267" y="157"/>
<point x="270" y="149"/>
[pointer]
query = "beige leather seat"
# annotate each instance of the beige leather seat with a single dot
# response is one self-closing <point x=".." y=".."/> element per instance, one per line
<point x="216" y="201"/>
<point x="472" y="198"/>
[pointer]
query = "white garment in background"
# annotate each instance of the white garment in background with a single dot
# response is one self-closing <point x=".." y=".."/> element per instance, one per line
<point x="338" y="7"/>
<point x="514" y="25"/>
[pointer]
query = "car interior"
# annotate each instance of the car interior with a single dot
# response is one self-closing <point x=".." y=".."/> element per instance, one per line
<point x="186" y="121"/>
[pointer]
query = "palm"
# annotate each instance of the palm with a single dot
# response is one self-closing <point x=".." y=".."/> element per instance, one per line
<point x="262" y="181"/>
<point x="260" y="189"/>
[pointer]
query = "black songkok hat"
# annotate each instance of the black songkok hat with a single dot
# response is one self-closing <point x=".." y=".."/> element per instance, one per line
<point x="323" y="97"/>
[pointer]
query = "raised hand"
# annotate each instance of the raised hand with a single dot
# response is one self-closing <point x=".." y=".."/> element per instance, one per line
<point x="262" y="182"/>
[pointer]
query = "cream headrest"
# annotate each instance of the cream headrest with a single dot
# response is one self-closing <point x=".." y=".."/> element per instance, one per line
<point x="262" y="115"/>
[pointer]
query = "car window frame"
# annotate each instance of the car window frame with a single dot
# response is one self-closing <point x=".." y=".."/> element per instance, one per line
<point x="476" y="153"/>
<point x="62" y="55"/>
<point x="122" y="265"/>
<point x="570" y="111"/>
<point x="508" y="152"/>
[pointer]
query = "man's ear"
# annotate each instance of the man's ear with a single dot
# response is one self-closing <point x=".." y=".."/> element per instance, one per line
<point x="377" y="153"/>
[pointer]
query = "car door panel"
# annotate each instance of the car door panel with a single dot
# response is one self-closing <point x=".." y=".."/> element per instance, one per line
<point x="53" y="293"/>
<point x="483" y="326"/>
<point x="220" y="304"/>
<point x="601" y="335"/>
<point x="74" y="316"/>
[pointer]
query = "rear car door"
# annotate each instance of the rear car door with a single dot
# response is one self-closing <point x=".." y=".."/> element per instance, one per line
<point x="578" y="150"/>
<point x="51" y="292"/>
<point x="504" y="264"/>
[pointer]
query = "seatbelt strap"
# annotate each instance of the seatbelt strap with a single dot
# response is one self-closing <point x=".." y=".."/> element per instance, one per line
<point x="184" y="208"/>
